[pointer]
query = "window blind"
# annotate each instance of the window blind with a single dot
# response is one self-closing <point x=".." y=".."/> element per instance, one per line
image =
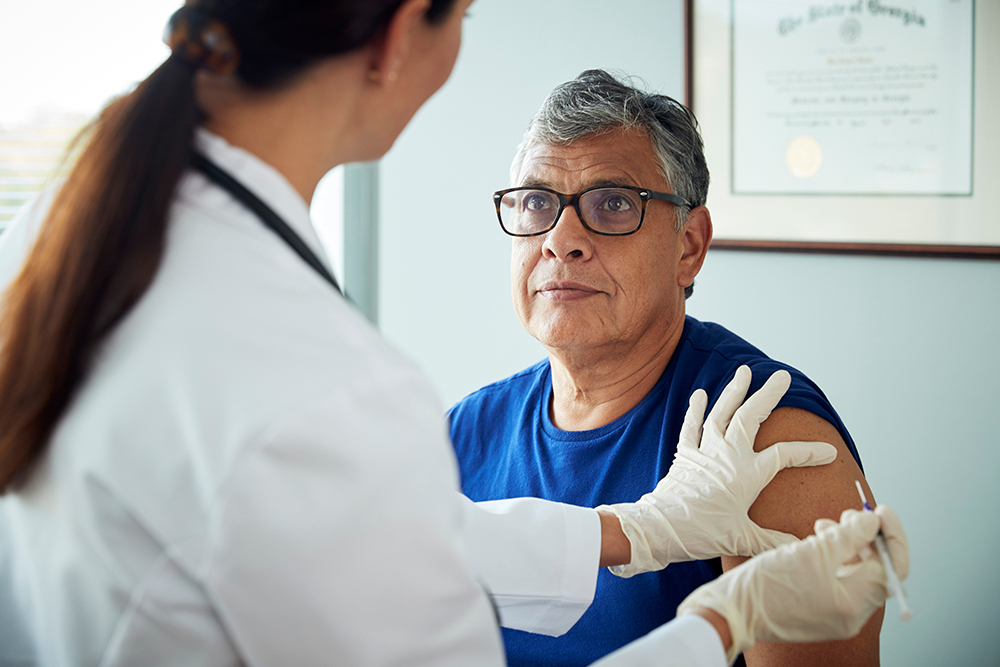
<point x="31" y="153"/>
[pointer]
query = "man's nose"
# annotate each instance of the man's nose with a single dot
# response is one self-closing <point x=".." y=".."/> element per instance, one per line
<point x="569" y="240"/>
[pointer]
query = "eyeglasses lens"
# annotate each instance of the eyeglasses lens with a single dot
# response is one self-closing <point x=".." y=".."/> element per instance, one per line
<point x="605" y="210"/>
<point x="612" y="210"/>
<point x="528" y="211"/>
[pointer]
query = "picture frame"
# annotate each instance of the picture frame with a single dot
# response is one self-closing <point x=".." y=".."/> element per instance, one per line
<point x="953" y="212"/>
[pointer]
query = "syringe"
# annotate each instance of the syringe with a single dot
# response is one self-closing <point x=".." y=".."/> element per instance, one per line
<point x="892" y="579"/>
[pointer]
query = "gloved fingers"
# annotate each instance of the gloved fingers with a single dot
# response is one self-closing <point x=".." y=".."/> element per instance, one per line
<point x="783" y="455"/>
<point x="746" y="422"/>
<point x="895" y="540"/>
<point x="823" y="524"/>
<point x="864" y="584"/>
<point x="767" y="539"/>
<point x="730" y="399"/>
<point x="849" y="538"/>
<point x="869" y="571"/>
<point x="693" y="419"/>
<point x="867" y="552"/>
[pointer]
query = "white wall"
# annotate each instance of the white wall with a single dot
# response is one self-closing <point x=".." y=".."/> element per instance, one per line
<point x="905" y="348"/>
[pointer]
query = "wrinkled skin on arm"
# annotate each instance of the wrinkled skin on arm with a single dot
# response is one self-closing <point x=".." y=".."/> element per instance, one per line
<point x="791" y="503"/>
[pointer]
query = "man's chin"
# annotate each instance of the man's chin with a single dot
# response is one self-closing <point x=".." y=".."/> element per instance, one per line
<point x="567" y="338"/>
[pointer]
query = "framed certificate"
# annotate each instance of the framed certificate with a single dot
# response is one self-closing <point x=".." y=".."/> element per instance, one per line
<point x="849" y="126"/>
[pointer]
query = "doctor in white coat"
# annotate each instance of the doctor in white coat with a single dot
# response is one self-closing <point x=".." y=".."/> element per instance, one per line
<point x="209" y="458"/>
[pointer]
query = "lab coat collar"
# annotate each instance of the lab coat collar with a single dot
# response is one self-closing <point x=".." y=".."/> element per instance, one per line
<point x="264" y="181"/>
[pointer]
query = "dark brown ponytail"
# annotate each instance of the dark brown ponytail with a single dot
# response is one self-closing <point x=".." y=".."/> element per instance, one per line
<point x="95" y="256"/>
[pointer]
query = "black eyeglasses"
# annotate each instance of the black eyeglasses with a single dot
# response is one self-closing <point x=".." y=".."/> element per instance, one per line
<point x="609" y="211"/>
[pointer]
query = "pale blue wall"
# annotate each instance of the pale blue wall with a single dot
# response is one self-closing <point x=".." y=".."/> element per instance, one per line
<point x="908" y="351"/>
<point x="905" y="348"/>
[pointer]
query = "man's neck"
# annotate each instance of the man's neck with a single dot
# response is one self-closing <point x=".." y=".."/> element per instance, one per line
<point x="593" y="388"/>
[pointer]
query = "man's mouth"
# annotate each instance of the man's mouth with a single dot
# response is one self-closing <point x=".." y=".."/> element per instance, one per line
<point x="566" y="290"/>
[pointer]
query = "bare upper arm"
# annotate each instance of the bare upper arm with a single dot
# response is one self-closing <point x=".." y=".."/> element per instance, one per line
<point x="791" y="503"/>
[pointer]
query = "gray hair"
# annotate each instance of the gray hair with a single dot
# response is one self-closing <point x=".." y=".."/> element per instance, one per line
<point x="597" y="102"/>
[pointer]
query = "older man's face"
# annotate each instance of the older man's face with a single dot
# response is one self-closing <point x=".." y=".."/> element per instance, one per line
<point x="577" y="291"/>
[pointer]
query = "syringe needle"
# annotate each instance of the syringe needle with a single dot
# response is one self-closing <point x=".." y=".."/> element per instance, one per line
<point x="893" y="583"/>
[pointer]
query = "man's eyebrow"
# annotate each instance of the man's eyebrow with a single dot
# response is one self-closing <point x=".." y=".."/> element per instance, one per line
<point x="602" y="183"/>
<point x="535" y="183"/>
<point x="609" y="183"/>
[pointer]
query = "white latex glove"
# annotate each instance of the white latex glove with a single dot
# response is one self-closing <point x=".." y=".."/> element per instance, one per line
<point x="895" y="540"/>
<point x="822" y="588"/>
<point x="699" y="509"/>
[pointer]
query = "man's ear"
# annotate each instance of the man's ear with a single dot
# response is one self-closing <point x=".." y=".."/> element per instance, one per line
<point x="695" y="238"/>
<point x="390" y="50"/>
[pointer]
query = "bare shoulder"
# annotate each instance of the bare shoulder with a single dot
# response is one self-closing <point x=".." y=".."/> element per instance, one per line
<point x="792" y="503"/>
<point x="798" y="496"/>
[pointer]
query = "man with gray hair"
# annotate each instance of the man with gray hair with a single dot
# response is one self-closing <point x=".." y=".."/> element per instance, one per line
<point x="609" y="225"/>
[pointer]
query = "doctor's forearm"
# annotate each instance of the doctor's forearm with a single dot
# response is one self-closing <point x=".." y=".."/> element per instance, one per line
<point x="615" y="547"/>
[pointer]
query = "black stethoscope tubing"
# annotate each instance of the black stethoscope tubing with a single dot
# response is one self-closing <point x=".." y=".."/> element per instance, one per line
<point x="266" y="214"/>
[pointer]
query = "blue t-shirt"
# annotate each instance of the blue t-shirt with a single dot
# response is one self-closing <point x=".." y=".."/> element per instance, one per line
<point x="507" y="447"/>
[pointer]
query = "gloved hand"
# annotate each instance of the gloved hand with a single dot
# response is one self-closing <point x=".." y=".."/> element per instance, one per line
<point x="824" y="587"/>
<point x="699" y="509"/>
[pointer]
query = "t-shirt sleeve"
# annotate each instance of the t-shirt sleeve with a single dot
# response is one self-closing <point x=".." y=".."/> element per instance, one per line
<point x="803" y="393"/>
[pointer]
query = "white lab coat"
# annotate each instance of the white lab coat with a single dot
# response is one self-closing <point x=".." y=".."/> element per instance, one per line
<point x="251" y="475"/>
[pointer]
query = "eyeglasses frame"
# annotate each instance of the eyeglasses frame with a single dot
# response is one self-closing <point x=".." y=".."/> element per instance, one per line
<point x="645" y="194"/>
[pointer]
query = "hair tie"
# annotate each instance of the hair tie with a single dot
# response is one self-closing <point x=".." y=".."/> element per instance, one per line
<point x="202" y="41"/>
